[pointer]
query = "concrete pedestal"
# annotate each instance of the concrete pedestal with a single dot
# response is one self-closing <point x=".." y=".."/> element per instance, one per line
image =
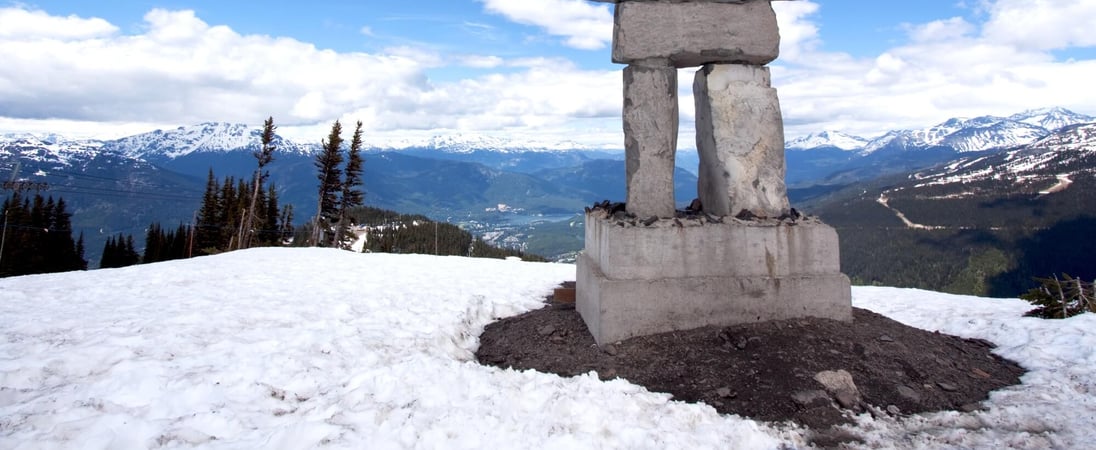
<point x="636" y="280"/>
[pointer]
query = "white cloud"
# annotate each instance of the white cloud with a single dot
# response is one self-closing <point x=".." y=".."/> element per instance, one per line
<point x="82" y="129"/>
<point x="181" y="70"/>
<point x="481" y="61"/>
<point x="798" y="34"/>
<point x="1041" y="24"/>
<point x="951" y="67"/>
<point x="545" y="93"/>
<point x="77" y="72"/>
<point x="584" y="25"/>
<point x="25" y="25"/>
<point x="940" y="30"/>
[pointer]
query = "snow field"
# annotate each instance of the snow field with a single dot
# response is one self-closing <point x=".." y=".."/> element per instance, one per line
<point x="1054" y="407"/>
<point x="311" y="348"/>
<point x="306" y="348"/>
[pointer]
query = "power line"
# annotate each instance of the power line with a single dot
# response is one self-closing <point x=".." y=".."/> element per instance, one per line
<point x="122" y="193"/>
<point x="4" y="230"/>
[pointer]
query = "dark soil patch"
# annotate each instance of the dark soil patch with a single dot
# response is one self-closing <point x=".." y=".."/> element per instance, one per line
<point x="766" y="371"/>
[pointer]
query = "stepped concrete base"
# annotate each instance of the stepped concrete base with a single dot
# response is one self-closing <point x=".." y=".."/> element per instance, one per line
<point x="677" y="274"/>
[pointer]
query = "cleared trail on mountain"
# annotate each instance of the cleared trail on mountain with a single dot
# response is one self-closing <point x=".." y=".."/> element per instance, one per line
<point x="1063" y="183"/>
<point x="883" y="200"/>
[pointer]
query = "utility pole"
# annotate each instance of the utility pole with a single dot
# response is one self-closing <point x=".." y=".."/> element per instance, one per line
<point x="190" y="237"/>
<point x="4" y="231"/>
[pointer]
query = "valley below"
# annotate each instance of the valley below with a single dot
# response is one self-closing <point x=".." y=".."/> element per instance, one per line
<point x="939" y="208"/>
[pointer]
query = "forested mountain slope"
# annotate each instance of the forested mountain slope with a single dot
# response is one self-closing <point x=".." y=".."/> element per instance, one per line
<point x="982" y="224"/>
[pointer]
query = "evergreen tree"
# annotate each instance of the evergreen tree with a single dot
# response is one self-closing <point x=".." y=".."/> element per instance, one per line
<point x="71" y="252"/>
<point x="163" y="245"/>
<point x="270" y="233"/>
<point x="391" y="232"/>
<point x="226" y="222"/>
<point x="352" y="196"/>
<point x="285" y="224"/>
<point x="263" y="156"/>
<point x="11" y="240"/>
<point x="207" y="235"/>
<point x="154" y="244"/>
<point x="1059" y="298"/>
<point x="327" y="163"/>
<point x="38" y="237"/>
<point x="227" y="206"/>
<point x="109" y="259"/>
<point x="129" y="253"/>
<point x="119" y="252"/>
<point x="80" y="262"/>
<point x="179" y="248"/>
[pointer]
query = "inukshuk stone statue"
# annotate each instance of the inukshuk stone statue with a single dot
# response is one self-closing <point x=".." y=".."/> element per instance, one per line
<point x="746" y="258"/>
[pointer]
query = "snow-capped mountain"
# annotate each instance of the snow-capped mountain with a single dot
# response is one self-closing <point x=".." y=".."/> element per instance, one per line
<point x="816" y="160"/>
<point x="42" y="137"/>
<point x="962" y="135"/>
<point x="468" y="143"/>
<point x="986" y="133"/>
<point x="1064" y="155"/>
<point x="201" y="138"/>
<point x="230" y="138"/>
<point x="1051" y="118"/>
<point x="959" y="134"/>
<point x="834" y="139"/>
<point x="1077" y="138"/>
<point x="48" y="149"/>
<point x="987" y="221"/>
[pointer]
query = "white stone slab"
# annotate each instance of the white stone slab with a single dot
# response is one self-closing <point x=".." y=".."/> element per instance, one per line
<point x="740" y="140"/>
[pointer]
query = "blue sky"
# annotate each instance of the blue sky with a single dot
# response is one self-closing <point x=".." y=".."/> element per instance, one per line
<point x="535" y="70"/>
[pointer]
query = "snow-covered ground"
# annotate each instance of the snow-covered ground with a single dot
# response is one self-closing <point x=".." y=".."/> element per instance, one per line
<point x="306" y="348"/>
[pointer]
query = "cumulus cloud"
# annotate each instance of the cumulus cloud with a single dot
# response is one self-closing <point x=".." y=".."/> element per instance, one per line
<point x="997" y="61"/>
<point x="25" y="25"/>
<point x="583" y="24"/>
<point x="1041" y="24"/>
<point x="798" y="34"/>
<point x="481" y="61"/>
<point x="179" y="69"/>
<point x="545" y="93"/>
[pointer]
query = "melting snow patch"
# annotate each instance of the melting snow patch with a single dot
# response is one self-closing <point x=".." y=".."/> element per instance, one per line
<point x="301" y="348"/>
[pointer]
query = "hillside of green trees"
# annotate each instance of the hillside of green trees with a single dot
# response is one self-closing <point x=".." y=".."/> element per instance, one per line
<point x="392" y="232"/>
<point x="237" y="214"/>
<point x="36" y="237"/>
<point x="992" y="242"/>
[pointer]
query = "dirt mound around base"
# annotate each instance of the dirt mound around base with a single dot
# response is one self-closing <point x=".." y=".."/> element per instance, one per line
<point x="809" y="371"/>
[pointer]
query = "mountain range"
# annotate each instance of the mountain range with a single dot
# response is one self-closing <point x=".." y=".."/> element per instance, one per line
<point x="962" y="134"/>
<point x="984" y="223"/>
<point x="491" y="185"/>
<point x="832" y="157"/>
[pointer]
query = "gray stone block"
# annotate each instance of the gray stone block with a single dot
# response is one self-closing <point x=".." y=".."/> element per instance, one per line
<point x="700" y="249"/>
<point x="740" y="141"/>
<point x="691" y="34"/>
<point x="618" y="303"/>
<point x="650" y="139"/>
